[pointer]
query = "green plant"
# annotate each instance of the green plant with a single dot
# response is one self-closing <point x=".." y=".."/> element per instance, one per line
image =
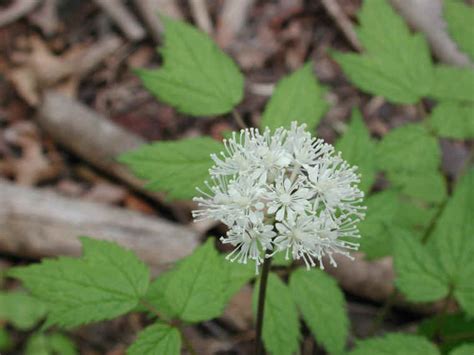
<point x="415" y="220"/>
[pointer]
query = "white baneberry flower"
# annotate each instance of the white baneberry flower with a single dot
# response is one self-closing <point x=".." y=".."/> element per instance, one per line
<point x="283" y="192"/>
<point x="251" y="241"/>
<point x="287" y="198"/>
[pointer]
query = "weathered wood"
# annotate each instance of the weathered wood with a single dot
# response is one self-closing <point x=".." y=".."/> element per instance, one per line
<point x="426" y="16"/>
<point x="37" y="223"/>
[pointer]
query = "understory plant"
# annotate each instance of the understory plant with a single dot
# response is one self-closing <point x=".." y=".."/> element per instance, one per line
<point x="290" y="199"/>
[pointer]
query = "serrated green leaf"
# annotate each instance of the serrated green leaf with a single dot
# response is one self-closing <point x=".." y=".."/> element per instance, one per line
<point x="396" y="64"/>
<point x="279" y="259"/>
<point x="176" y="167"/>
<point x="359" y="149"/>
<point x="281" y="331"/>
<point x="37" y="344"/>
<point x="453" y="243"/>
<point x="237" y="276"/>
<point x="322" y="305"/>
<point x="188" y="287"/>
<point x="408" y="150"/>
<point x="466" y="349"/>
<point x="451" y="83"/>
<point x="451" y="329"/>
<point x="197" y="77"/>
<point x="453" y="120"/>
<point x="429" y="186"/>
<point x="395" y="344"/>
<point x="414" y="216"/>
<point x="419" y="276"/>
<point x="50" y="344"/>
<point x="107" y="282"/>
<point x="6" y="342"/>
<point x="378" y="229"/>
<point x="61" y="344"/>
<point x="460" y="18"/>
<point x="297" y="97"/>
<point x="157" y="339"/>
<point x="21" y="310"/>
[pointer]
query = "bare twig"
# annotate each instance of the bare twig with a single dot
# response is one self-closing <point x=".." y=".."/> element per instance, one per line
<point x="201" y="15"/>
<point x="16" y="10"/>
<point x="123" y="18"/>
<point x="150" y="9"/>
<point x="232" y="19"/>
<point x="63" y="118"/>
<point x="426" y="16"/>
<point x="343" y="22"/>
<point x="46" y="17"/>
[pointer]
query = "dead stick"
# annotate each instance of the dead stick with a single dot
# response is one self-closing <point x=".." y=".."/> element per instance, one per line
<point x="95" y="139"/>
<point x="426" y="16"/>
<point x="123" y="18"/>
<point x="343" y="22"/>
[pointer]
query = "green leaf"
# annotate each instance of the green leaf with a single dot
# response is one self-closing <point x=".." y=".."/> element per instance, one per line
<point x="414" y="216"/>
<point x="408" y="150"/>
<point x="61" y="344"/>
<point x="237" y="276"/>
<point x="157" y="339"/>
<point x="419" y="276"/>
<point x="322" y="305"/>
<point x="452" y="329"/>
<point x="279" y="259"/>
<point x="378" y="228"/>
<point x="451" y="83"/>
<point x="453" y="120"/>
<point x="466" y="349"/>
<point x="197" y="77"/>
<point x="106" y="283"/>
<point x="37" y="344"/>
<point x="21" y="310"/>
<point x="453" y="243"/>
<point x="460" y="18"/>
<point x="280" y="320"/>
<point x="53" y="344"/>
<point x="298" y="97"/>
<point x="188" y="288"/>
<point x="395" y="344"/>
<point x="429" y="186"/>
<point x="6" y="342"/>
<point x="396" y="64"/>
<point x="359" y="149"/>
<point x="176" y="167"/>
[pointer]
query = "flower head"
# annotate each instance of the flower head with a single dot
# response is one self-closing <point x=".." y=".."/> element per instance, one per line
<point x="283" y="192"/>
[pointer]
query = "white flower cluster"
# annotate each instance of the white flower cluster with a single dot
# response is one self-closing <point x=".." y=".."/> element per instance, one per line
<point x="284" y="191"/>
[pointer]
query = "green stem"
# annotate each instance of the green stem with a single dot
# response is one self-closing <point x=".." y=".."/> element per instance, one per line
<point x="173" y="323"/>
<point x="441" y="317"/>
<point x="384" y="311"/>
<point x="187" y="343"/>
<point x="238" y="119"/>
<point x="261" y="305"/>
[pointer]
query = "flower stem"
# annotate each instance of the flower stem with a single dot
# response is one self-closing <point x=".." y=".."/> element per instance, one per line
<point x="238" y="119"/>
<point x="187" y="344"/>
<point x="261" y="305"/>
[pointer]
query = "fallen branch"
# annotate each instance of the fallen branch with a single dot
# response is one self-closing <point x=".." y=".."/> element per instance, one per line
<point x="35" y="223"/>
<point x="232" y="19"/>
<point x="149" y="11"/>
<point x="426" y="16"/>
<point x="123" y="18"/>
<point x="342" y="21"/>
<point x="96" y="139"/>
<point x="201" y="15"/>
<point x="16" y="10"/>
